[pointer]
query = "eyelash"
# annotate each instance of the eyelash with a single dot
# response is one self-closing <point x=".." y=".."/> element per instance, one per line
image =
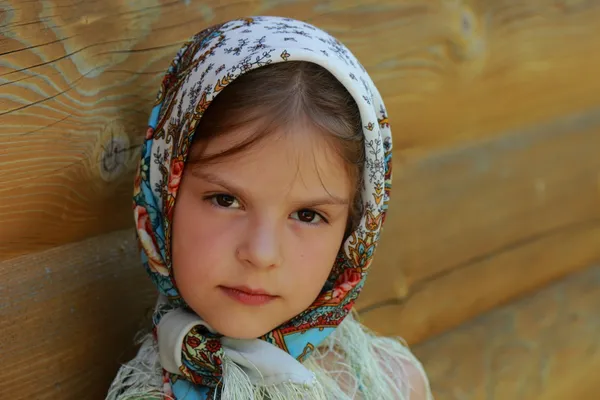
<point x="213" y="197"/>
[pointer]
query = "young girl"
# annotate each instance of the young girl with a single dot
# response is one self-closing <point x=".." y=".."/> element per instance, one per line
<point x="260" y="195"/>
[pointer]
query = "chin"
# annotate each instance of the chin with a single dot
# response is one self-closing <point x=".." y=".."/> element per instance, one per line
<point x="242" y="329"/>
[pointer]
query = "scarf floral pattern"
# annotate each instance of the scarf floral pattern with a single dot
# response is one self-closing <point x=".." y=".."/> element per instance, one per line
<point x="204" y="66"/>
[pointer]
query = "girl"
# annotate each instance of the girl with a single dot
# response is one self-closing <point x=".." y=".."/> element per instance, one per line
<point x="259" y="199"/>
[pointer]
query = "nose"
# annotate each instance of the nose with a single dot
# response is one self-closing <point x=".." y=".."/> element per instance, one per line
<point x="261" y="246"/>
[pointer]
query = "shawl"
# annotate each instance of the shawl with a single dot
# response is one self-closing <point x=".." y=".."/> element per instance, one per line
<point x="204" y="66"/>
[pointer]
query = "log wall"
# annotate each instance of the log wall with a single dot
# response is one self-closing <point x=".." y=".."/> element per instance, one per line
<point x="495" y="111"/>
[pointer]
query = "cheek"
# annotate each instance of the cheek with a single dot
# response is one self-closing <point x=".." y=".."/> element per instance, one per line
<point x="313" y="257"/>
<point x="199" y="245"/>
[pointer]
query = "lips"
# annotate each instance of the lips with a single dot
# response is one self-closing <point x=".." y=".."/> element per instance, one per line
<point x="248" y="296"/>
<point x="254" y="292"/>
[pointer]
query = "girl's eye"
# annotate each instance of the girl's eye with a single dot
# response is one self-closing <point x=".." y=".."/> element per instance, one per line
<point x="224" y="200"/>
<point x="309" y="217"/>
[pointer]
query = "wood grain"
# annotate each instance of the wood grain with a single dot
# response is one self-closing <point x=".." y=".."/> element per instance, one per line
<point x="69" y="315"/>
<point x="543" y="347"/>
<point x="78" y="79"/>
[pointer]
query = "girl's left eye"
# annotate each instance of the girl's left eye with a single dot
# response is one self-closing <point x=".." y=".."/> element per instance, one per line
<point x="309" y="217"/>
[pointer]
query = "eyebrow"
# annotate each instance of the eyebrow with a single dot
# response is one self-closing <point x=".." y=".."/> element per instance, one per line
<point x="217" y="180"/>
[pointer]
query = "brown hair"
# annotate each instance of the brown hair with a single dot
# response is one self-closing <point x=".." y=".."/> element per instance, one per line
<point x="282" y="94"/>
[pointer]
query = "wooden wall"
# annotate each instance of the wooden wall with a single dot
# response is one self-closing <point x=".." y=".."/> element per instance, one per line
<point x="495" y="110"/>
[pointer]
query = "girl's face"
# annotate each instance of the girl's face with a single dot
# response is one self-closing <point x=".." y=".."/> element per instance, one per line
<point x="255" y="235"/>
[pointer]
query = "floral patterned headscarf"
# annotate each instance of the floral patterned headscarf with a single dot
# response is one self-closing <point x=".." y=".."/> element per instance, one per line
<point x="204" y="66"/>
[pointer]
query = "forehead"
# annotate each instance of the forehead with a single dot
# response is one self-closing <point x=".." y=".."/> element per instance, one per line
<point x="299" y="156"/>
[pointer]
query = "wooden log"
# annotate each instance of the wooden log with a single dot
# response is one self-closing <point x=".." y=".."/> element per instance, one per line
<point x="69" y="315"/>
<point x="543" y="347"/>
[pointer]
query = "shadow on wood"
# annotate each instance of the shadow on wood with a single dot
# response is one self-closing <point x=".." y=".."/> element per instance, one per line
<point x="69" y="316"/>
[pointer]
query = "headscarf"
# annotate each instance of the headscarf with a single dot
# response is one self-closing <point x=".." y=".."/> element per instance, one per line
<point x="204" y="66"/>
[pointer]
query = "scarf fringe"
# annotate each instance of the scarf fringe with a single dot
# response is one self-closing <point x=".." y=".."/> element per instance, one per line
<point x="238" y="386"/>
<point x="141" y="378"/>
<point x="352" y="364"/>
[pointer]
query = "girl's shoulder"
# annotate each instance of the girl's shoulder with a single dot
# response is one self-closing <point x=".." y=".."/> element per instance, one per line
<point x="402" y="373"/>
<point x="367" y="366"/>
<point x="406" y="370"/>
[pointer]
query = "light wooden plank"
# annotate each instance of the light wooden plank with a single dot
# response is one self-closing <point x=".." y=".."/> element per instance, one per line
<point x="69" y="315"/>
<point x="543" y="347"/>
<point x="77" y="82"/>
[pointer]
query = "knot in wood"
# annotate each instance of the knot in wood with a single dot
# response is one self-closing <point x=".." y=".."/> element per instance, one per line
<point x="113" y="152"/>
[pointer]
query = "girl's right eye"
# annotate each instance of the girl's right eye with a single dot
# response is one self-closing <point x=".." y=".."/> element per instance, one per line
<point x="224" y="201"/>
